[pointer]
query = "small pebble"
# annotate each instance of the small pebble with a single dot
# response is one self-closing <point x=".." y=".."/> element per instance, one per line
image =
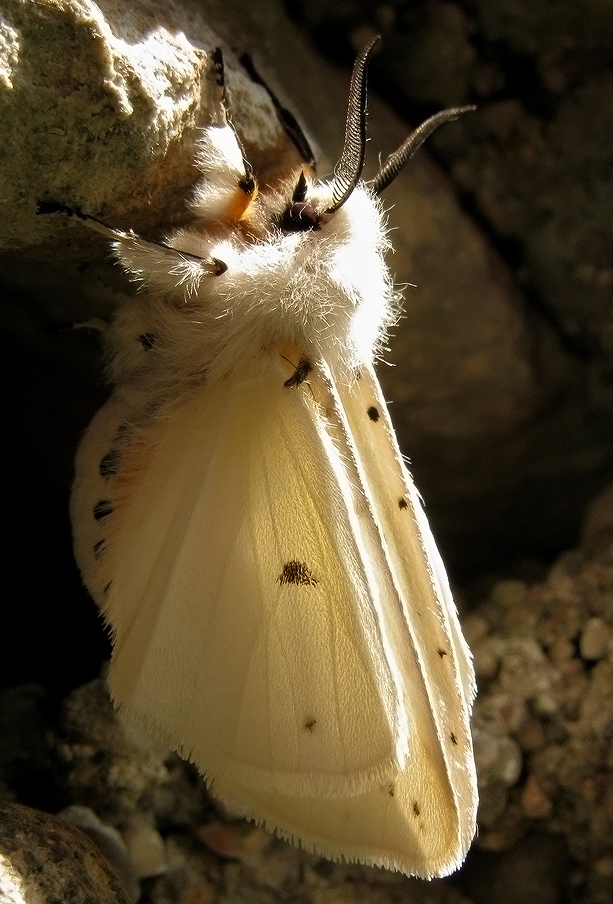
<point x="531" y="735"/>
<point x="508" y="594"/>
<point x="534" y="801"/>
<point x="227" y="840"/>
<point x="561" y="651"/>
<point x="599" y="514"/>
<point x="146" y="848"/>
<point x="499" y="756"/>
<point x="545" y="704"/>
<point x="604" y="866"/>
<point x="198" y="892"/>
<point x="493" y="840"/>
<point x="475" y="627"/>
<point x="485" y="660"/>
<point x="594" y="640"/>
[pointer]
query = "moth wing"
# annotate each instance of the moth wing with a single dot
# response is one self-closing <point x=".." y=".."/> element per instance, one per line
<point x="429" y="614"/>
<point x="408" y="823"/>
<point x="246" y="616"/>
<point x="422" y="819"/>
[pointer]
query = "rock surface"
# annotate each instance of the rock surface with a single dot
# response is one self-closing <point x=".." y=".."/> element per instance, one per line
<point x="43" y="860"/>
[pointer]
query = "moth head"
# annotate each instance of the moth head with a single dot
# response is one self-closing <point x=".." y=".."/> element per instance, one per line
<point x="227" y="197"/>
<point x="303" y="213"/>
<point x="313" y="205"/>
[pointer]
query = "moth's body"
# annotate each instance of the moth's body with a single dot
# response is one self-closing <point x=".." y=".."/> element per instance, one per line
<point x="325" y="293"/>
<point x="243" y="517"/>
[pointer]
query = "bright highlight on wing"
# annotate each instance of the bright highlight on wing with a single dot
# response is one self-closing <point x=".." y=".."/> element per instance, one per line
<point x="243" y="517"/>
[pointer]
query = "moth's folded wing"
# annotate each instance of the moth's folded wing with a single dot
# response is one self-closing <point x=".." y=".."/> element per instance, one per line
<point x="421" y="819"/>
<point x="408" y="823"/>
<point x="245" y="611"/>
<point x="439" y="661"/>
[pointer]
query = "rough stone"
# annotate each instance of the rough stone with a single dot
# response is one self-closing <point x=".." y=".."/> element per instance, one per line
<point x="44" y="860"/>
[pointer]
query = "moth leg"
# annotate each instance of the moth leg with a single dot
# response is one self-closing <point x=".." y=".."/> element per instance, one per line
<point x="303" y="369"/>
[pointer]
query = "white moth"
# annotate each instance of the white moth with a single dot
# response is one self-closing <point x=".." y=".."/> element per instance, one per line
<point x="244" y="518"/>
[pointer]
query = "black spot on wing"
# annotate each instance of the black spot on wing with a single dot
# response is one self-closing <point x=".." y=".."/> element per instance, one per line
<point x="373" y="414"/>
<point x="441" y="652"/>
<point x="152" y="406"/>
<point x="302" y="371"/>
<point x="297" y="573"/>
<point x="416" y="808"/>
<point x="102" y="509"/>
<point x="109" y="464"/>
<point x="391" y="790"/>
<point x="99" y="549"/>
<point x="310" y="724"/>
<point x="454" y="739"/>
<point x="106" y="589"/>
<point x="147" y="340"/>
<point x="402" y="503"/>
<point x="124" y="429"/>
